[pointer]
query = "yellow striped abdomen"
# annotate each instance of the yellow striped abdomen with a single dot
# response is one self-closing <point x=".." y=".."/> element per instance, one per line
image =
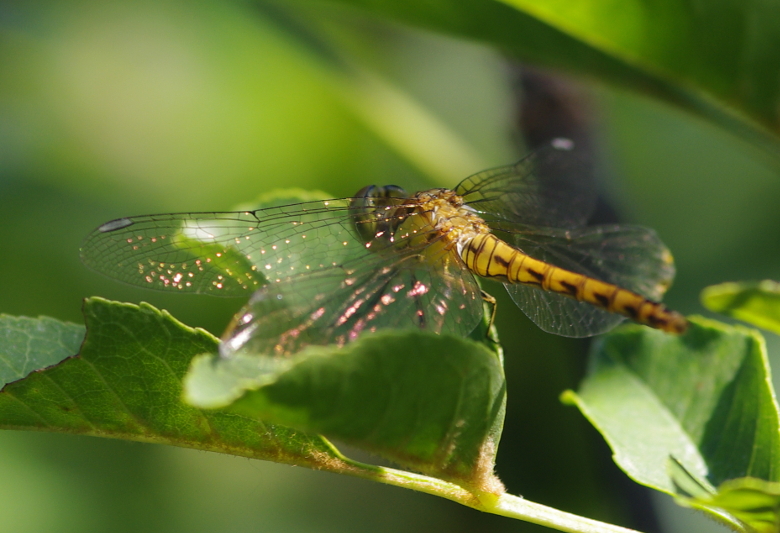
<point x="488" y="256"/>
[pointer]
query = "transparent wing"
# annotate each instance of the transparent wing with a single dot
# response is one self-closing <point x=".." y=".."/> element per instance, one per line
<point x="551" y="187"/>
<point x="226" y="254"/>
<point x="427" y="289"/>
<point x="314" y="280"/>
<point x="631" y="257"/>
<point x="555" y="313"/>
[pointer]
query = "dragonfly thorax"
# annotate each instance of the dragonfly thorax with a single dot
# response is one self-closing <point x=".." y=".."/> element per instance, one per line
<point x="453" y="219"/>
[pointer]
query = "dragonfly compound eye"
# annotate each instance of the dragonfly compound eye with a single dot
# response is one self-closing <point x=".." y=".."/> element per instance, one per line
<point x="377" y="212"/>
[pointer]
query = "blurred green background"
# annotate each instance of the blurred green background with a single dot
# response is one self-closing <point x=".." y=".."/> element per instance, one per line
<point x="121" y="108"/>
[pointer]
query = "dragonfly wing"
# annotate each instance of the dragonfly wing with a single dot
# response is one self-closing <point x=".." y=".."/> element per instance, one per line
<point x="552" y="186"/>
<point x="631" y="257"/>
<point x="315" y="279"/>
<point x="225" y="254"/>
<point x="189" y="252"/>
<point x="555" y="313"/>
<point x="425" y="289"/>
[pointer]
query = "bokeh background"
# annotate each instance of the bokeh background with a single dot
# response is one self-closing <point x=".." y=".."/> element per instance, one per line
<point x="120" y="108"/>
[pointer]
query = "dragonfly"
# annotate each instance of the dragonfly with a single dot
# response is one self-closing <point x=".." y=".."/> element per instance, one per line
<point x="328" y="271"/>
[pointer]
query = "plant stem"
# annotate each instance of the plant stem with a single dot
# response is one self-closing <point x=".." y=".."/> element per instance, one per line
<point x="517" y="507"/>
<point x="503" y="505"/>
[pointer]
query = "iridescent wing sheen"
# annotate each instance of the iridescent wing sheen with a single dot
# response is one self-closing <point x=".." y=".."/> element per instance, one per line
<point x="224" y="254"/>
<point x="553" y="187"/>
<point x="427" y="289"/>
<point x="314" y="280"/>
<point x="631" y="257"/>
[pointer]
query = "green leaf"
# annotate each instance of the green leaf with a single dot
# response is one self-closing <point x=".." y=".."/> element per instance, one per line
<point x="755" y="302"/>
<point x="432" y="402"/>
<point x="28" y="344"/>
<point x="126" y="383"/>
<point x="665" y="49"/>
<point x="429" y="402"/>
<point x="703" y="398"/>
<point x="746" y="504"/>
<point x="753" y="501"/>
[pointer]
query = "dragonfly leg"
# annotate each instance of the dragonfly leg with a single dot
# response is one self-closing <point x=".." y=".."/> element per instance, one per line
<point x="491" y="301"/>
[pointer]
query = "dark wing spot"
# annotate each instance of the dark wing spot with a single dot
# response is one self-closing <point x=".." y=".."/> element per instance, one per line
<point x="113" y="225"/>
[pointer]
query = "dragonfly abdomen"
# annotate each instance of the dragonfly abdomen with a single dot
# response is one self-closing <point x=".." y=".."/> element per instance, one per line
<point x="488" y="256"/>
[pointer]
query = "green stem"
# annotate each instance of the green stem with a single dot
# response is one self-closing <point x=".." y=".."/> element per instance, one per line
<point x="503" y="505"/>
<point x="517" y="507"/>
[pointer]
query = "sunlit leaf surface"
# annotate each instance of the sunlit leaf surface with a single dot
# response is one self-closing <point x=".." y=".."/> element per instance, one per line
<point x="663" y="49"/>
<point x="755" y="302"/>
<point x="432" y="403"/>
<point x="703" y="398"/>
<point x="126" y="383"/>
<point x="746" y="504"/>
<point x="28" y="344"/>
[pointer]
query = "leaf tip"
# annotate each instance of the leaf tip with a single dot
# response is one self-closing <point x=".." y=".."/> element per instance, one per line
<point x="569" y="397"/>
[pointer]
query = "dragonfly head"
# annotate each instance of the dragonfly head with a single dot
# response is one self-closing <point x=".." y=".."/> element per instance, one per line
<point x="377" y="211"/>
